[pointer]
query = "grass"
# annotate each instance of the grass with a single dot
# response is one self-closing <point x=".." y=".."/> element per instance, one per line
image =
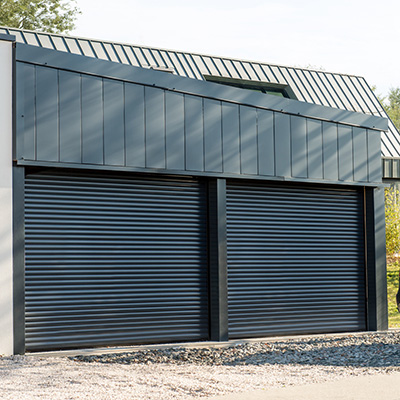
<point x="393" y="269"/>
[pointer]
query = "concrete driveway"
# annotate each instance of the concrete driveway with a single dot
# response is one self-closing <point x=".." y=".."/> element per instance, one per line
<point x="372" y="387"/>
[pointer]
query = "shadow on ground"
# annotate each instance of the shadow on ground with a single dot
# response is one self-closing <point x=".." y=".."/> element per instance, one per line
<point x="349" y="351"/>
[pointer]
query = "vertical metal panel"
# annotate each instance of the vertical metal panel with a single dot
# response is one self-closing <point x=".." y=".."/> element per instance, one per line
<point x="70" y="117"/>
<point x="92" y="120"/>
<point x="114" y="260"/>
<point x="345" y="144"/>
<point x="155" y="127"/>
<point x="319" y="87"/>
<point x="124" y="124"/>
<point x="26" y="104"/>
<point x="248" y="140"/>
<point x="386" y="166"/>
<point x="374" y="160"/>
<point x="266" y="143"/>
<point x="212" y="135"/>
<point x="218" y="279"/>
<point x="175" y="130"/>
<point x="19" y="100"/>
<point x="395" y="168"/>
<point x="194" y="135"/>
<point x="376" y="259"/>
<point x="330" y="151"/>
<point x="114" y="124"/>
<point x="134" y="125"/>
<point x="314" y="146"/>
<point x="298" y="129"/>
<point x="295" y="260"/>
<point x="230" y="138"/>
<point x="47" y="114"/>
<point x="282" y="145"/>
<point x="360" y="154"/>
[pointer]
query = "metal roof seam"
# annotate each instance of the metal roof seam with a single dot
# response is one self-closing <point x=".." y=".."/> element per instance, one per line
<point x="343" y="91"/>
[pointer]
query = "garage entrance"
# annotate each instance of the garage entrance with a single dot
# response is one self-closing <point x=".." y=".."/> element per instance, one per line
<point x="295" y="260"/>
<point x="114" y="260"/>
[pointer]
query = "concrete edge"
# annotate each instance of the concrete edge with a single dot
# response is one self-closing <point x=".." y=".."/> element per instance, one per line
<point x="188" y="345"/>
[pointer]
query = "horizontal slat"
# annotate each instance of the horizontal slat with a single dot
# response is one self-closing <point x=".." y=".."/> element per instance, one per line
<point x="113" y="260"/>
<point x="295" y="260"/>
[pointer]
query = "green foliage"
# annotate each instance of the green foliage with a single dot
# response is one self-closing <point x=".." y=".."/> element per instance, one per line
<point x="380" y="98"/>
<point x="391" y="104"/>
<point x="393" y="107"/>
<point x="53" y="16"/>
<point x="393" y="286"/>
<point x="392" y="221"/>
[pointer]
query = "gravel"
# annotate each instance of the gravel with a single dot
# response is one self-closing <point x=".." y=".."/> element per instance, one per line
<point x="369" y="350"/>
<point x="188" y="373"/>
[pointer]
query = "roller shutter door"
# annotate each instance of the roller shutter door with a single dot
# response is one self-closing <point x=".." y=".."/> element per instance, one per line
<point x="295" y="260"/>
<point x="114" y="261"/>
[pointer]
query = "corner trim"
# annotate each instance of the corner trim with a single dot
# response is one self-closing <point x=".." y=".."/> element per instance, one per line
<point x="19" y="259"/>
<point x="8" y="38"/>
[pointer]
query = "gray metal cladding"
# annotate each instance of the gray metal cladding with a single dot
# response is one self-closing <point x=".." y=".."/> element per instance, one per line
<point x="74" y="118"/>
<point x="391" y="168"/>
<point x="341" y="91"/>
<point x="295" y="260"/>
<point x="114" y="260"/>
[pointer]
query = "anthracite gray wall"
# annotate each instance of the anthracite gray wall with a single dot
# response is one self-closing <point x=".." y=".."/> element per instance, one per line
<point x="77" y="118"/>
<point x="75" y="112"/>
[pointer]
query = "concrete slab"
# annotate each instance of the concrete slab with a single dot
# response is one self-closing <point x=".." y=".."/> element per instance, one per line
<point x="365" y="387"/>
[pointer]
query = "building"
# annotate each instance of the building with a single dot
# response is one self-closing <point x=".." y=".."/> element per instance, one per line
<point x="142" y="206"/>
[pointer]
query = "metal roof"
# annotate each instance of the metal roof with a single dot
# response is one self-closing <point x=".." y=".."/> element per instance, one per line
<point x="347" y="92"/>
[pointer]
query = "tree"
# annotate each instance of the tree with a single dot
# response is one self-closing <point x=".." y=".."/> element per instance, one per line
<point x="392" y="108"/>
<point x="391" y="104"/>
<point x="392" y="221"/>
<point x="53" y="16"/>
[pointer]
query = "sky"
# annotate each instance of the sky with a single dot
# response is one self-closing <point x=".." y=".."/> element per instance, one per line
<point x="348" y="36"/>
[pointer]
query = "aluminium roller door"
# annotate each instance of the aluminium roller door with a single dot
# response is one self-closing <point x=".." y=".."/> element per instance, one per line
<point x="114" y="261"/>
<point x="295" y="260"/>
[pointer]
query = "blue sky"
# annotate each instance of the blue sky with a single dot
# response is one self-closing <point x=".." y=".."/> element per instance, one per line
<point x="354" y="37"/>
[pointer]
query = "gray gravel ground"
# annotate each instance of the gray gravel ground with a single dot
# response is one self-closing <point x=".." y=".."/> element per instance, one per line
<point x="190" y="373"/>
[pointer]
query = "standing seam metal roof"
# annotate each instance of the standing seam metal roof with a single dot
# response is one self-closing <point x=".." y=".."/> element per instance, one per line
<point x="347" y="92"/>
